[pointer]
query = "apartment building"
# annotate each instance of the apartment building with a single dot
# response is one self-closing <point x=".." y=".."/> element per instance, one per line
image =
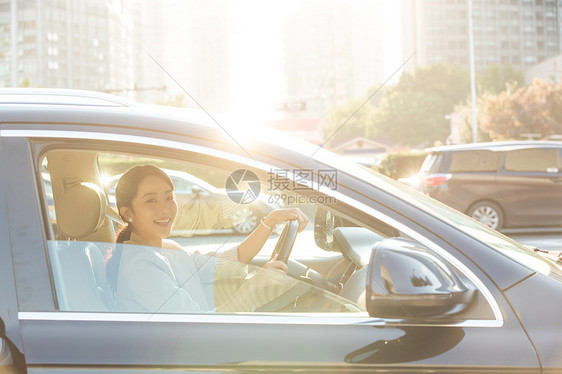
<point x="520" y="32"/>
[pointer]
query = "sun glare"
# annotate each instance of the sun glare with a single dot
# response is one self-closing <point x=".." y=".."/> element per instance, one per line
<point x="256" y="70"/>
<point x="257" y="76"/>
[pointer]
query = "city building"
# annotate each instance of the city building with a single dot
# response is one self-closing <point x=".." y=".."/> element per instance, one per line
<point x="151" y="51"/>
<point x="520" y="32"/>
<point x="333" y="53"/>
<point x="191" y="54"/>
<point x="549" y="69"/>
<point x="66" y="43"/>
<point x="5" y="42"/>
<point x="150" y="80"/>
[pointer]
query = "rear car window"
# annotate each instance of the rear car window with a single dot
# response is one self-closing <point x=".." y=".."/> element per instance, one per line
<point x="432" y="163"/>
<point x="476" y="160"/>
<point x="537" y="160"/>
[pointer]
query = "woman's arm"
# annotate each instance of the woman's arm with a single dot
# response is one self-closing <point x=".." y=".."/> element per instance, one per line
<point x="268" y="283"/>
<point x="250" y="247"/>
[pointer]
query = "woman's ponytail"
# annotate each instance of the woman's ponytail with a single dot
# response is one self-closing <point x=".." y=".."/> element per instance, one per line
<point x="124" y="235"/>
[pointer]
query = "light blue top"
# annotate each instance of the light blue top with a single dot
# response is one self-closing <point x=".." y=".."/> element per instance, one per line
<point x="166" y="280"/>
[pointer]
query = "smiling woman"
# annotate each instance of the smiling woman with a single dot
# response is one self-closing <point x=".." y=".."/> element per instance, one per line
<point x="145" y="200"/>
<point x="149" y="265"/>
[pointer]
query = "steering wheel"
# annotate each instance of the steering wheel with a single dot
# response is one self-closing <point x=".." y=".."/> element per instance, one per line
<point x="283" y="249"/>
<point x="286" y="241"/>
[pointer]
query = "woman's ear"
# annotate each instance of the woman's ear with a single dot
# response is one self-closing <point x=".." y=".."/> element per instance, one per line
<point x="126" y="213"/>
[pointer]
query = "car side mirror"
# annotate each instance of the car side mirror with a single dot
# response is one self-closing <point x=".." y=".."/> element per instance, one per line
<point x="405" y="280"/>
<point x="324" y="224"/>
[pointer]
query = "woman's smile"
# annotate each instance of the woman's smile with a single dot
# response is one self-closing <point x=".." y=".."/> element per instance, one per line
<point x="163" y="222"/>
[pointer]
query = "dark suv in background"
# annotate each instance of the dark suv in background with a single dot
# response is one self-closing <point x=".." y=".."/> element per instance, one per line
<point x="505" y="185"/>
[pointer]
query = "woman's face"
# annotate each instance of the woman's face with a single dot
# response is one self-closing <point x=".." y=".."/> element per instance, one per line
<point x="153" y="209"/>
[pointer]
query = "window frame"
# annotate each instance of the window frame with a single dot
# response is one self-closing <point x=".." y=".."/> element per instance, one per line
<point x="169" y="148"/>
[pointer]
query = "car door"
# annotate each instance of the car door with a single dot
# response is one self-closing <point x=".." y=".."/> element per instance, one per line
<point x="10" y="338"/>
<point x="58" y="338"/>
<point x="530" y="186"/>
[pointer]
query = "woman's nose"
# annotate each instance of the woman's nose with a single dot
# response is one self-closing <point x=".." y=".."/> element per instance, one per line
<point x="168" y="207"/>
<point x="164" y="207"/>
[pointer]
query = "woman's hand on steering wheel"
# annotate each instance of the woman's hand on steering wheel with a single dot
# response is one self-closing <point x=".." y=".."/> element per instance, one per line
<point x="286" y="214"/>
<point x="274" y="272"/>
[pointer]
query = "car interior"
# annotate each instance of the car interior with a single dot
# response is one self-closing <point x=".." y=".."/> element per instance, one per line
<point x="331" y="256"/>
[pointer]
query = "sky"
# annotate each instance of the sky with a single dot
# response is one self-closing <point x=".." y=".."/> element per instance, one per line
<point x="256" y="63"/>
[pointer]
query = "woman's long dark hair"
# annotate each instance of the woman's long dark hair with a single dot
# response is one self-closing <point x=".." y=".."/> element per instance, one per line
<point x="127" y="189"/>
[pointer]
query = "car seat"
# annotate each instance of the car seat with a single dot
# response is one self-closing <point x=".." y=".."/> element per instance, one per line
<point x="78" y="266"/>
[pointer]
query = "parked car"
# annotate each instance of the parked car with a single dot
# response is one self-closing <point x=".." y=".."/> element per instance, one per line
<point x="505" y="185"/>
<point x="216" y="211"/>
<point x="410" y="284"/>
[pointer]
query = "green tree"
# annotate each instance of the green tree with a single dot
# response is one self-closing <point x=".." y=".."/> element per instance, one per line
<point x="401" y="164"/>
<point x="536" y="108"/>
<point x="491" y="81"/>
<point x="498" y="78"/>
<point x="348" y="121"/>
<point x="412" y="113"/>
<point x="26" y="82"/>
<point x="465" y="111"/>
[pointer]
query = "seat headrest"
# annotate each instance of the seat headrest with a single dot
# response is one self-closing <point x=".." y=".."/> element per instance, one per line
<point x="81" y="210"/>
